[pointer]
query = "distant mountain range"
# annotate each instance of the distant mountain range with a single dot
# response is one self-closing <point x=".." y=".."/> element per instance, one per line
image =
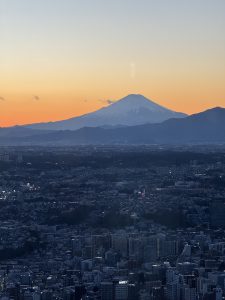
<point x="207" y="127"/>
<point x="129" y="111"/>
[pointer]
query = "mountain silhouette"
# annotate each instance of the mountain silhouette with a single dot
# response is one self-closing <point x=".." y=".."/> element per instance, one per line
<point x="207" y="127"/>
<point x="128" y="111"/>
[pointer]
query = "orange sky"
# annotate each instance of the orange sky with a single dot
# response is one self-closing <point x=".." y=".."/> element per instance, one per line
<point x="60" y="59"/>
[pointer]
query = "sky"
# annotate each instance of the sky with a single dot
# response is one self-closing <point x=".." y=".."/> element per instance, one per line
<point x="64" y="58"/>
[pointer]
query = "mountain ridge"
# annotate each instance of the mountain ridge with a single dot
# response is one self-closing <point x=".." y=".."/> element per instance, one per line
<point x="207" y="127"/>
<point x="134" y="109"/>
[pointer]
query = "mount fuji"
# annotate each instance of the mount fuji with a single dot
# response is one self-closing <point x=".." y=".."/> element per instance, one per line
<point x="131" y="110"/>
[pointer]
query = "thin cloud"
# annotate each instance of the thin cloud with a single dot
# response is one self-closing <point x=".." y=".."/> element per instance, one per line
<point x="36" y="98"/>
<point x="108" y="101"/>
<point x="2" y="98"/>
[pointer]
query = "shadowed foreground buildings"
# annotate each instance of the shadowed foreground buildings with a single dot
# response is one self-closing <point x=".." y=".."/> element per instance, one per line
<point x="218" y="213"/>
<point x="112" y="223"/>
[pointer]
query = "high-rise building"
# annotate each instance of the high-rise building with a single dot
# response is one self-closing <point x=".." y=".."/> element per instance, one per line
<point x="120" y="244"/>
<point x="107" y="291"/>
<point x="218" y="294"/>
<point x="121" y="290"/>
<point x="217" y="213"/>
<point x="172" y="285"/>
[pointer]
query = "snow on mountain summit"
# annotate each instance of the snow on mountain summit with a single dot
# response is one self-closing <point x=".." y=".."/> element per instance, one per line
<point x="133" y="102"/>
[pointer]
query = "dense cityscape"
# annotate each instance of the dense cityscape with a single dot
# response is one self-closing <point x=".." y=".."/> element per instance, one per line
<point x="112" y="223"/>
<point x="112" y="150"/>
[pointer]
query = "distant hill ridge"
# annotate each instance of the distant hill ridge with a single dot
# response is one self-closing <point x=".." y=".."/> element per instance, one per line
<point x="207" y="127"/>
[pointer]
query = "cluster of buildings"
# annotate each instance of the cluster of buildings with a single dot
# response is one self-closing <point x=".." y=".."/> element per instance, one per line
<point x="92" y="224"/>
<point x="156" y="263"/>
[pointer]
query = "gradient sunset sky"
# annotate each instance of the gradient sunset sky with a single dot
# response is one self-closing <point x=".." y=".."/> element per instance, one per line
<point x="63" y="58"/>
